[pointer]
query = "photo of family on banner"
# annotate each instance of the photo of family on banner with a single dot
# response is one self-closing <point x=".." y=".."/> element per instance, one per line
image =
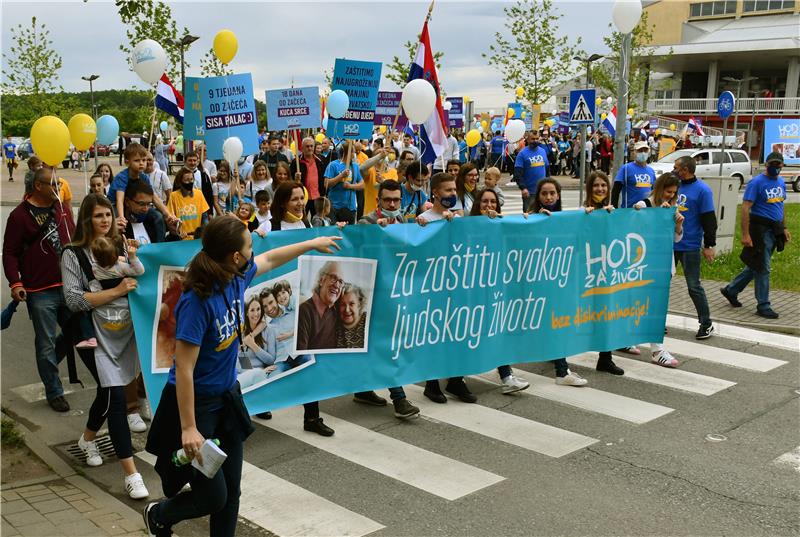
<point x="404" y="304"/>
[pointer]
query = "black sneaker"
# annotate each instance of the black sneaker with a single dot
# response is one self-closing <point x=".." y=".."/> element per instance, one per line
<point x="404" y="410"/>
<point x="767" y="314"/>
<point x="59" y="404"/>
<point x="460" y="390"/>
<point x="434" y="392"/>
<point x="730" y="297"/>
<point x="154" y="529"/>
<point x="264" y="415"/>
<point x="608" y="366"/>
<point x="316" y="426"/>
<point x="704" y="332"/>
<point x="369" y="398"/>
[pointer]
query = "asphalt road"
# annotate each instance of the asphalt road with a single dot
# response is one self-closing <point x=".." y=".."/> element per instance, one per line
<point x="483" y="469"/>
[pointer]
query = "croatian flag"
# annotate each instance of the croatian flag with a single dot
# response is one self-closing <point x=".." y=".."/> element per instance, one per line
<point x="695" y="126"/>
<point x="610" y="122"/>
<point x="168" y="99"/>
<point x="433" y="134"/>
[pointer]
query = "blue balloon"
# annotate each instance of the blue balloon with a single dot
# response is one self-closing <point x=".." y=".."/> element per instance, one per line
<point x="164" y="126"/>
<point x="107" y="129"/>
<point x="338" y="103"/>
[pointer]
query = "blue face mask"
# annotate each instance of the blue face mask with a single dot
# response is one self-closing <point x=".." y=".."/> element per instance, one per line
<point x="773" y="171"/>
<point x="449" y="202"/>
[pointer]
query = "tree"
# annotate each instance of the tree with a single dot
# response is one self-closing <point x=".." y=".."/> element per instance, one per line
<point x="152" y="19"/>
<point x="211" y="66"/>
<point x="606" y="73"/>
<point x="32" y="65"/>
<point x="534" y="58"/>
<point x="400" y="68"/>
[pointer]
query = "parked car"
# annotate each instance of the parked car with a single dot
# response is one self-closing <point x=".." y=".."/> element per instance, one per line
<point x="737" y="163"/>
<point x="791" y="176"/>
<point x="102" y="150"/>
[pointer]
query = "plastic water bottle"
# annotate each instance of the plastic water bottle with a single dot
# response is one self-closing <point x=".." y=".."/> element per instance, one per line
<point x="179" y="457"/>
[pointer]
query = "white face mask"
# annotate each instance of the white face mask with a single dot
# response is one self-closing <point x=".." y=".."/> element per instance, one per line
<point x="641" y="157"/>
<point x="414" y="187"/>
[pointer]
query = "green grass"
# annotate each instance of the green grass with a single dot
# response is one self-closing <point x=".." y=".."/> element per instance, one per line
<point x="11" y="437"/>
<point x="785" y="265"/>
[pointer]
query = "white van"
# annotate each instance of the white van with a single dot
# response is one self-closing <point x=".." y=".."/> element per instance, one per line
<point x="737" y="163"/>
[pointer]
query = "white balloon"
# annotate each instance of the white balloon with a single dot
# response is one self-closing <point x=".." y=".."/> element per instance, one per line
<point x="626" y="15"/>
<point x="232" y="150"/>
<point x="419" y="100"/>
<point x="149" y="60"/>
<point x="447" y="105"/>
<point x="609" y="100"/>
<point x="515" y="130"/>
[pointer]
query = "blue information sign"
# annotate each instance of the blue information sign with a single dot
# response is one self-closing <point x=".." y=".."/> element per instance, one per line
<point x="581" y="107"/>
<point x="725" y="104"/>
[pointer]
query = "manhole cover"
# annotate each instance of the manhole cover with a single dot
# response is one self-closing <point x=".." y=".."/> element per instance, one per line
<point x="103" y="444"/>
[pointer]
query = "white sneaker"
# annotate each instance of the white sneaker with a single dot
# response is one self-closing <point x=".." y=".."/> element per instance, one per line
<point x="144" y="410"/>
<point x="664" y="359"/>
<point x="91" y="451"/>
<point x="571" y="379"/>
<point x="513" y="384"/>
<point x="134" y="484"/>
<point x="136" y="424"/>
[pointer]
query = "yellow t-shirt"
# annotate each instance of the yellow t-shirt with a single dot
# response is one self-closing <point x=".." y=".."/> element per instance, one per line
<point x="64" y="191"/>
<point x="189" y="209"/>
<point x="371" y="187"/>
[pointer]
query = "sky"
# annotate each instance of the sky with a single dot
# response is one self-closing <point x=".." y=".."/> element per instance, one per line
<point x="281" y="41"/>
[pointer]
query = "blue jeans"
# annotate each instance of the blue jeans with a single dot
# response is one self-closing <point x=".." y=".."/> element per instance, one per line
<point x="691" y="270"/>
<point x="738" y="284"/>
<point x="155" y="221"/>
<point x="48" y="311"/>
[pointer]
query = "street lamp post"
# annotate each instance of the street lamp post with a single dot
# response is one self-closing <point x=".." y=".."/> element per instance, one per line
<point x="738" y="82"/>
<point x="754" y="93"/>
<point x="626" y="15"/>
<point x="90" y="79"/>
<point x="184" y="42"/>
<point x="582" y="174"/>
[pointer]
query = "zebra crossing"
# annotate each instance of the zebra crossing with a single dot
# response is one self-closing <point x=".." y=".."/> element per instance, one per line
<point x="374" y="450"/>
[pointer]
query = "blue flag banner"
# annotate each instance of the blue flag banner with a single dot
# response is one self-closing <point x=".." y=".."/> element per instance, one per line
<point x="360" y="80"/>
<point x="293" y="108"/>
<point x="219" y="107"/>
<point x="405" y="303"/>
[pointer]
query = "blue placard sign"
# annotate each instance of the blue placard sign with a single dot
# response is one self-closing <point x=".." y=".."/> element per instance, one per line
<point x="293" y="108"/>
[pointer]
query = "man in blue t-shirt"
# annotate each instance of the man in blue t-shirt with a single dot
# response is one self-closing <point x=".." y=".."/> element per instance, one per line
<point x="634" y="180"/>
<point x="696" y="204"/>
<point x="342" y="180"/>
<point x="10" y="154"/>
<point x="531" y="166"/>
<point x="763" y="230"/>
<point x="498" y="149"/>
<point x="414" y="200"/>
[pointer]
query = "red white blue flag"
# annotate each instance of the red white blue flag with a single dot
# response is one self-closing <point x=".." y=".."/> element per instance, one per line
<point x="610" y="122"/>
<point x="695" y="126"/>
<point x="168" y="99"/>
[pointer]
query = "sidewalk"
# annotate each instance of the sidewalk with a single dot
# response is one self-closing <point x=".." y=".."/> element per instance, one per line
<point x="63" y="503"/>
<point x="786" y="303"/>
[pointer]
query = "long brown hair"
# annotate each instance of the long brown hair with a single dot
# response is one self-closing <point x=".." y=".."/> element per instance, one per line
<point x="587" y="200"/>
<point x="461" y="178"/>
<point x="664" y="181"/>
<point x="259" y="339"/>
<point x="476" y="205"/>
<point x="282" y="196"/>
<point x="84" y="231"/>
<point x="209" y="271"/>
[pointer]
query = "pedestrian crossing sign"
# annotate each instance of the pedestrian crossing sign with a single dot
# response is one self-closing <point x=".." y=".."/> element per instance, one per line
<point x="581" y="107"/>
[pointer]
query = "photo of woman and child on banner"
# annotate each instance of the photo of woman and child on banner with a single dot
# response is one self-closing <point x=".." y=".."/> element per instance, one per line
<point x="323" y="307"/>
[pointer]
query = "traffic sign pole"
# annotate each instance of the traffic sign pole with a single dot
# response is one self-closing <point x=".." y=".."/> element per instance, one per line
<point x="724" y="129"/>
<point x="582" y="174"/>
<point x="582" y="112"/>
<point x="726" y="103"/>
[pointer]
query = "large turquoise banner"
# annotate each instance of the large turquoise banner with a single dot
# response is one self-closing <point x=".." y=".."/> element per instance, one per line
<point x="404" y="303"/>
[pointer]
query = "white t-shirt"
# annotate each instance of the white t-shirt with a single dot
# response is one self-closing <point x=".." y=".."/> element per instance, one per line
<point x="139" y="233"/>
<point x="222" y="191"/>
<point x="160" y="182"/>
<point x="210" y="168"/>
<point x="432" y="216"/>
<point x="292" y="225"/>
<point x="253" y="187"/>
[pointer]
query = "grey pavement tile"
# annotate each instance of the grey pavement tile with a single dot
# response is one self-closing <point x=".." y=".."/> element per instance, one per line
<point x="9" y="495"/>
<point x="42" y="529"/>
<point x="68" y="515"/>
<point x="42" y="498"/>
<point x="25" y="518"/>
<point x="7" y="530"/>
<point x="16" y="506"/>
<point x="51" y="506"/>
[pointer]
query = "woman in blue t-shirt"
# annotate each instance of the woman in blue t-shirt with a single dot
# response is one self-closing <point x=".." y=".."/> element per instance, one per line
<point x="202" y="398"/>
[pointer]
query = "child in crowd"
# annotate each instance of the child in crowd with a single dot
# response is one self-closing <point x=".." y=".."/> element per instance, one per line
<point x="110" y="266"/>
<point x="263" y="214"/>
<point x="491" y="178"/>
<point x="96" y="185"/>
<point x="226" y="194"/>
<point x="189" y="204"/>
<point x="547" y="201"/>
<point x="246" y="213"/>
<point x="283" y="295"/>
<point x="322" y="210"/>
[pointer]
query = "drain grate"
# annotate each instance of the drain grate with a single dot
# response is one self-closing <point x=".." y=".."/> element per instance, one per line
<point x="103" y="444"/>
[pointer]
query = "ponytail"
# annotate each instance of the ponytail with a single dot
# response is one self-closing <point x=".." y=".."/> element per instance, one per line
<point x="209" y="270"/>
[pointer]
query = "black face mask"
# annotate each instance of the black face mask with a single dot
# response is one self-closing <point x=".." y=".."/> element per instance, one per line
<point x="533" y="144"/>
<point x="246" y="265"/>
<point x="188" y="186"/>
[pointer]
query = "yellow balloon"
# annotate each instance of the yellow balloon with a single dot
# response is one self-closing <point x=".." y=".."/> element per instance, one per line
<point x="466" y="99"/>
<point x="598" y="101"/>
<point x="523" y="115"/>
<point x="483" y="123"/>
<point x="293" y="147"/>
<point x="603" y="115"/>
<point x="50" y="140"/>
<point x="225" y="46"/>
<point x="630" y="111"/>
<point x="520" y="91"/>
<point x="319" y="137"/>
<point x="382" y="129"/>
<point x="83" y="131"/>
<point x="658" y="131"/>
<point x="672" y="126"/>
<point x="473" y="137"/>
<point x="511" y="112"/>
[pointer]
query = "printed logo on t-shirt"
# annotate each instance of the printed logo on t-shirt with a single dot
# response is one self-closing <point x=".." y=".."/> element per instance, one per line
<point x="774" y="194"/>
<point x="536" y="161"/>
<point x="226" y="327"/>
<point x="682" y="203"/>
<point x="188" y="212"/>
<point x="643" y="180"/>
